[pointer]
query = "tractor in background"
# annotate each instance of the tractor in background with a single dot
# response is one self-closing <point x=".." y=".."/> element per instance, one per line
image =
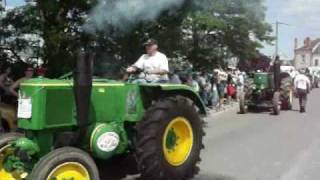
<point x="69" y="124"/>
<point x="267" y="90"/>
<point x="260" y="93"/>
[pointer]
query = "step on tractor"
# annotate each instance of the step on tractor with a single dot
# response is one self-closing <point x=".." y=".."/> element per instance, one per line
<point x="261" y="93"/>
<point x="70" y="125"/>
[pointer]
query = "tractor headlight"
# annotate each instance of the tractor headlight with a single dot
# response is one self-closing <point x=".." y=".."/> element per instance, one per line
<point x="24" y="108"/>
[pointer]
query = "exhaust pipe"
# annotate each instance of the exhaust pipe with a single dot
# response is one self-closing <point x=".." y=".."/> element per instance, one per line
<point x="82" y="88"/>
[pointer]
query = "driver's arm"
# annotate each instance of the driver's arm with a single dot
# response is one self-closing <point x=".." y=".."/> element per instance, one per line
<point x="14" y="86"/>
<point x="158" y="72"/>
<point x="136" y="66"/>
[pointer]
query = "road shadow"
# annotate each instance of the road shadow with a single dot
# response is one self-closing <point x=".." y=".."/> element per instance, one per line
<point x="295" y="110"/>
<point x="214" y="177"/>
<point x="117" y="168"/>
<point x="256" y="111"/>
<point x="125" y="168"/>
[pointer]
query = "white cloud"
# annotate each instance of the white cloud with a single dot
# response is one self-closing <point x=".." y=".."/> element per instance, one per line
<point x="304" y="13"/>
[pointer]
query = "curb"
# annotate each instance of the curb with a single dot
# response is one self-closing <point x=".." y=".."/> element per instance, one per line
<point x="226" y="109"/>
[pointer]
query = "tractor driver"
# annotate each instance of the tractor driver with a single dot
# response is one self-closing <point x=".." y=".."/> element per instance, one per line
<point x="154" y="64"/>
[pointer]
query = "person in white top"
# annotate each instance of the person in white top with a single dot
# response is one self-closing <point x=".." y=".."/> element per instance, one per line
<point x="154" y="64"/>
<point x="302" y="87"/>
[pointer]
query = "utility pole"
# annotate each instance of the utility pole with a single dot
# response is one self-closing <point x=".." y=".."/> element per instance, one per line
<point x="277" y="36"/>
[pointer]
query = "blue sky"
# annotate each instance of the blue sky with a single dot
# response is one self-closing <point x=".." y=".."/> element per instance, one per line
<point x="303" y="17"/>
<point x="14" y="2"/>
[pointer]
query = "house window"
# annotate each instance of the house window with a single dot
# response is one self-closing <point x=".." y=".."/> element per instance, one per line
<point x="304" y="58"/>
<point x="316" y="62"/>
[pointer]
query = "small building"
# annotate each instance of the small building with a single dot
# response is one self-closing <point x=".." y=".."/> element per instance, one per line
<point x="308" y="55"/>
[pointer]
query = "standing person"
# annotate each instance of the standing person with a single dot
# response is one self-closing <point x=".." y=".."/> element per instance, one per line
<point x="214" y="90"/>
<point x="240" y="84"/>
<point x="302" y="86"/>
<point x="4" y="78"/>
<point x="153" y="63"/>
<point x="203" y="84"/>
<point x="220" y="83"/>
<point x="175" y="79"/>
<point x="277" y="71"/>
<point x="192" y="83"/>
<point x="28" y="74"/>
<point x="230" y="87"/>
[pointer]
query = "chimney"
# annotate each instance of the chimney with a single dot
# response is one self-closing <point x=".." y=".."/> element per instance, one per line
<point x="307" y="42"/>
<point x="296" y="43"/>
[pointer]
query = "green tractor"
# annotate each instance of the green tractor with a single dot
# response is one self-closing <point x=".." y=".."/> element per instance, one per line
<point x="261" y="93"/>
<point x="69" y="125"/>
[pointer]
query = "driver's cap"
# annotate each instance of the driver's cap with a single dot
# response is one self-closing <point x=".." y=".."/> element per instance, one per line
<point x="150" y="42"/>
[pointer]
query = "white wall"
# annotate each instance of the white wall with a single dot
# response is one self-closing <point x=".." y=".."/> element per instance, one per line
<point x="314" y="58"/>
<point x="299" y="63"/>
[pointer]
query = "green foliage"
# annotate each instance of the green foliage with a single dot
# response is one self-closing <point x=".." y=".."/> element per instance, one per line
<point x="18" y="35"/>
<point x="221" y="29"/>
<point x="204" y="32"/>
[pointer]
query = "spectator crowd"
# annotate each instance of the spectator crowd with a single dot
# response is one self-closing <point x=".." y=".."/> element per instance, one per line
<point x="10" y="80"/>
<point x="216" y="88"/>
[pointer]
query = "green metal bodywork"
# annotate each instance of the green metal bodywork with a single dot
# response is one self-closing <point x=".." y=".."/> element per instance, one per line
<point x="113" y="106"/>
<point x="263" y="80"/>
<point x="260" y="92"/>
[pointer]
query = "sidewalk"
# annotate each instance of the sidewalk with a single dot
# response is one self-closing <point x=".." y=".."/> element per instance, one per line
<point x="224" y="109"/>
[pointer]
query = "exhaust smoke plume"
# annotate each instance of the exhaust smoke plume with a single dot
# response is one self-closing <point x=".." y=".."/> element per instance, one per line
<point x="123" y="14"/>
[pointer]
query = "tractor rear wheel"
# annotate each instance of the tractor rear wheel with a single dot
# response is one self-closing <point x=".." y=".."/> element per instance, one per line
<point x="169" y="140"/>
<point x="290" y="100"/>
<point x="6" y="151"/>
<point x="65" y="163"/>
<point x="276" y="104"/>
<point x="242" y="104"/>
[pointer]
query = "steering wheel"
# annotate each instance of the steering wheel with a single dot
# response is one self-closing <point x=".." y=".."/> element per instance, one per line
<point x="139" y="74"/>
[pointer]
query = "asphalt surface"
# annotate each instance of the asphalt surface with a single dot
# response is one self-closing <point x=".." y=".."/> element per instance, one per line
<point x="261" y="146"/>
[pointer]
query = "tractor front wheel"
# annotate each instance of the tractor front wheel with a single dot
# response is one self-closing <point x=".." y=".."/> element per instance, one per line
<point x="5" y="151"/>
<point x="65" y="163"/>
<point x="290" y="100"/>
<point x="169" y="140"/>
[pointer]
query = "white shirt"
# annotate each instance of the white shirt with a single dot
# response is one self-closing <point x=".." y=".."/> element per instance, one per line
<point x="302" y="82"/>
<point x="241" y="80"/>
<point x="159" y="61"/>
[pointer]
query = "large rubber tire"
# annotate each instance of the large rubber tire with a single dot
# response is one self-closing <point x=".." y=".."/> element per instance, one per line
<point x="290" y="102"/>
<point x="275" y="103"/>
<point x="48" y="164"/>
<point x="7" y="138"/>
<point x="242" y="104"/>
<point x="150" y="148"/>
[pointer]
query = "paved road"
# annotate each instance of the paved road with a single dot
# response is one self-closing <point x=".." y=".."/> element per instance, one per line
<point x="262" y="146"/>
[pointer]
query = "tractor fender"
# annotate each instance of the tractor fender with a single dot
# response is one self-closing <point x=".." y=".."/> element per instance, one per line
<point x="174" y="90"/>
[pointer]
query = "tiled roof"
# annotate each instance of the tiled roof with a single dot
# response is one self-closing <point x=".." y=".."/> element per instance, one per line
<point x="313" y="44"/>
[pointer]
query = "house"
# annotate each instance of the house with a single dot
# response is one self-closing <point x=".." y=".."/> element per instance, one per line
<point x="308" y="55"/>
